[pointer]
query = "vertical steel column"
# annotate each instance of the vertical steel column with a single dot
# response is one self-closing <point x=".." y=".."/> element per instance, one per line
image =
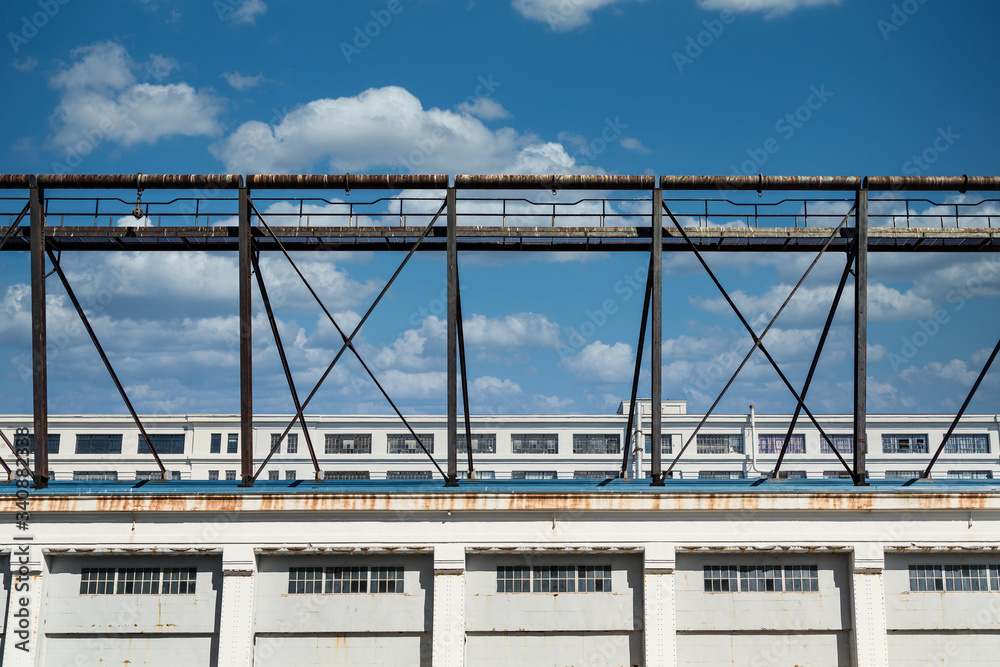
<point x="39" y="363"/>
<point x="861" y="338"/>
<point x="452" y="374"/>
<point x="656" y="344"/>
<point x="246" y="342"/>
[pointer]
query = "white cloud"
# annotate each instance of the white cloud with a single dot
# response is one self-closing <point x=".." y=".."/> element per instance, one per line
<point x="488" y="384"/>
<point x="561" y="15"/>
<point x="241" y="81"/>
<point x="27" y="64"/>
<point x="773" y="8"/>
<point x="485" y="108"/>
<point x="599" y="361"/>
<point x="102" y="100"/>
<point x="386" y="128"/>
<point x="634" y="145"/>
<point x="246" y="12"/>
<point x="517" y="330"/>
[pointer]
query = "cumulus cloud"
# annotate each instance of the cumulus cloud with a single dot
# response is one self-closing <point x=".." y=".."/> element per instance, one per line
<point x="485" y="108"/>
<point x="102" y="99"/>
<point x="242" y="81"/>
<point x="771" y="8"/>
<point x="602" y="362"/>
<point x="386" y="128"/>
<point x="246" y="12"/>
<point x="517" y="330"/>
<point x="633" y="144"/>
<point x="561" y="15"/>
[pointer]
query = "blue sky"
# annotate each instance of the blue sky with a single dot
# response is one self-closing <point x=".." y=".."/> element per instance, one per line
<point x="529" y="86"/>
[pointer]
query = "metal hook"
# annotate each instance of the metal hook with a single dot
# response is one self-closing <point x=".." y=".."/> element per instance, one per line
<point x="347" y="184"/>
<point x="553" y="184"/>
<point x="137" y="211"/>
<point x="760" y="185"/>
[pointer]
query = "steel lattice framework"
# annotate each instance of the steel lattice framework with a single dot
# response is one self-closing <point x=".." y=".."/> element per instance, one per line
<point x="696" y="214"/>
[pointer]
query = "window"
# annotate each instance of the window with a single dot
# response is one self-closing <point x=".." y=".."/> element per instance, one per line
<point x="554" y="579"/>
<point x="755" y="578"/>
<point x="347" y="580"/>
<point x="791" y="474"/>
<point x="387" y="580"/>
<point x="480" y="474"/>
<point x="275" y="439"/>
<point x="346" y="474"/>
<point x="293" y="443"/>
<point x="172" y="443"/>
<point x="149" y="475"/>
<point x="771" y="444"/>
<point x="87" y="443"/>
<point x="666" y="443"/>
<point x="213" y="474"/>
<point x="801" y="578"/>
<point x="926" y="578"/>
<point x="97" y="581"/>
<point x="594" y="578"/>
<point x="52" y="439"/>
<point x="179" y="580"/>
<point x="273" y="474"/>
<point x="902" y="474"/>
<point x="482" y="443"/>
<point x="595" y="474"/>
<point x="95" y="476"/>
<point x="513" y="579"/>
<point x="719" y="443"/>
<point x="302" y="580"/>
<point x="407" y="444"/>
<point x="844" y="442"/>
<point x="836" y="474"/>
<point x="720" y="578"/>
<point x="956" y="444"/>
<point x="535" y="443"/>
<point x="138" y="580"/>
<point x="409" y="474"/>
<point x="720" y="474"/>
<point x="966" y="578"/>
<point x="216" y="446"/>
<point x="231" y="475"/>
<point x="233" y="443"/>
<point x="904" y="444"/>
<point x="359" y="443"/>
<point x="289" y="474"/>
<point x="591" y="443"/>
<point x="970" y="474"/>
<point x="534" y="474"/>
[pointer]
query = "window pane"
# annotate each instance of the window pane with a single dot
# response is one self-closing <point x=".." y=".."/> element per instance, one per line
<point x="346" y="474"/>
<point x="233" y="443"/>
<point x="720" y="578"/>
<point x="387" y="580"/>
<point x="534" y="474"/>
<point x="844" y="443"/>
<point x="293" y="443"/>
<point x="591" y="443"/>
<point x="719" y="443"/>
<point x="666" y="443"/>
<point x="172" y="443"/>
<point x="138" y="580"/>
<point x="595" y="578"/>
<point x="762" y="578"/>
<point x="771" y="444"/>
<point x="89" y="443"/>
<point x="894" y="443"/>
<point x="351" y="443"/>
<point x="801" y="578"/>
<point x="179" y="580"/>
<point x="407" y="444"/>
<point x="513" y="579"/>
<point x="554" y="579"/>
<point x="216" y="446"/>
<point x="966" y="578"/>
<point x="409" y="474"/>
<point x="97" y="581"/>
<point x="95" y="475"/>
<point x="535" y="443"/>
<point x="482" y="443"/>
<point x="302" y="580"/>
<point x="347" y="580"/>
<point x="926" y="578"/>
<point x="974" y="443"/>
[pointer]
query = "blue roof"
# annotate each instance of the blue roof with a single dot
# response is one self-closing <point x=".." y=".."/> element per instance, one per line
<point x="569" y="486"/>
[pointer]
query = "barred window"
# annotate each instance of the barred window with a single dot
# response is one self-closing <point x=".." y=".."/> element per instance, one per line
<point x="165" y="443"/>
<point x="409" y="474"/>
<point x="95" y="475"/>
<point x="216" y="446"/>
<point x="966" y="578"/>
<point x="720" y="578"/>
<point x="90" y="443"/>
<point x="535" y="443"/>
<point x="760" y="578"/>
<point x="894" y="443"/>
<point x="720" y="443"/>
<point x="480" y="474"/>
<point x="407" y="444"/>
<point x="273" y="474"/>
<point x="975" y="443"/>
<point x="594" y="578"/>
<point x="347" y="580"/>
<point x="720" y="474"/>
<point x="213" y="474"/>
<point x="353" y="443"/>
<point x="387" y="580"/>
<point x="275" y="439"/>
<point x="970" y="474"/>
<point x="97" y="581"/>
<point x="233" y="444"/>
<point x="304" y="580"/>
<point x="792" y="474"/>
<point x="346" y="474"/>
<point x="554" y="579"/>
<point x="844" y="442"/>
<point x="666" y="444"/>
<point x="138" y="580"/>
<point x="179" y="580"/>
<point x="593" y="443"/>
<point x="801" y="578"/>
<point x="513" y="579"/>
<point x="156" y="475"/>
<point x="289" y="475"/>
<point x="926" y="578"/>
<point x="836" y="474"/>
<point x="595" y="474"/>
<point x="293" y="443"/>
<point x="771" y="444"/>
<point x="995" y="577"/>
<point x="231" y="475"/>
<point x="902" y="474"/>
<point x="52" y="439"/>
<point x="534" y="474"/>
<point x="482" y="443"/>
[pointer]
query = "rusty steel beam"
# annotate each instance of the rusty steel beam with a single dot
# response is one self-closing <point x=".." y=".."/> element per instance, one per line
<point x="859" y="472"/>
<point x="137" y="181"/>
<point x="656" y="342"/>
<point x="347" y="182"/>
<point x="39" y="363"/>
<point x="552" y="182"/>
<point x="932" y="183"/>
<point x="246" y="340"/>
<point x="760" y="182"/>
<point x="15" y="181"/>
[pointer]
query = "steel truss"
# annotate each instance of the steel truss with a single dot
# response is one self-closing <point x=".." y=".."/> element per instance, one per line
<point x="42" y="240"/>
